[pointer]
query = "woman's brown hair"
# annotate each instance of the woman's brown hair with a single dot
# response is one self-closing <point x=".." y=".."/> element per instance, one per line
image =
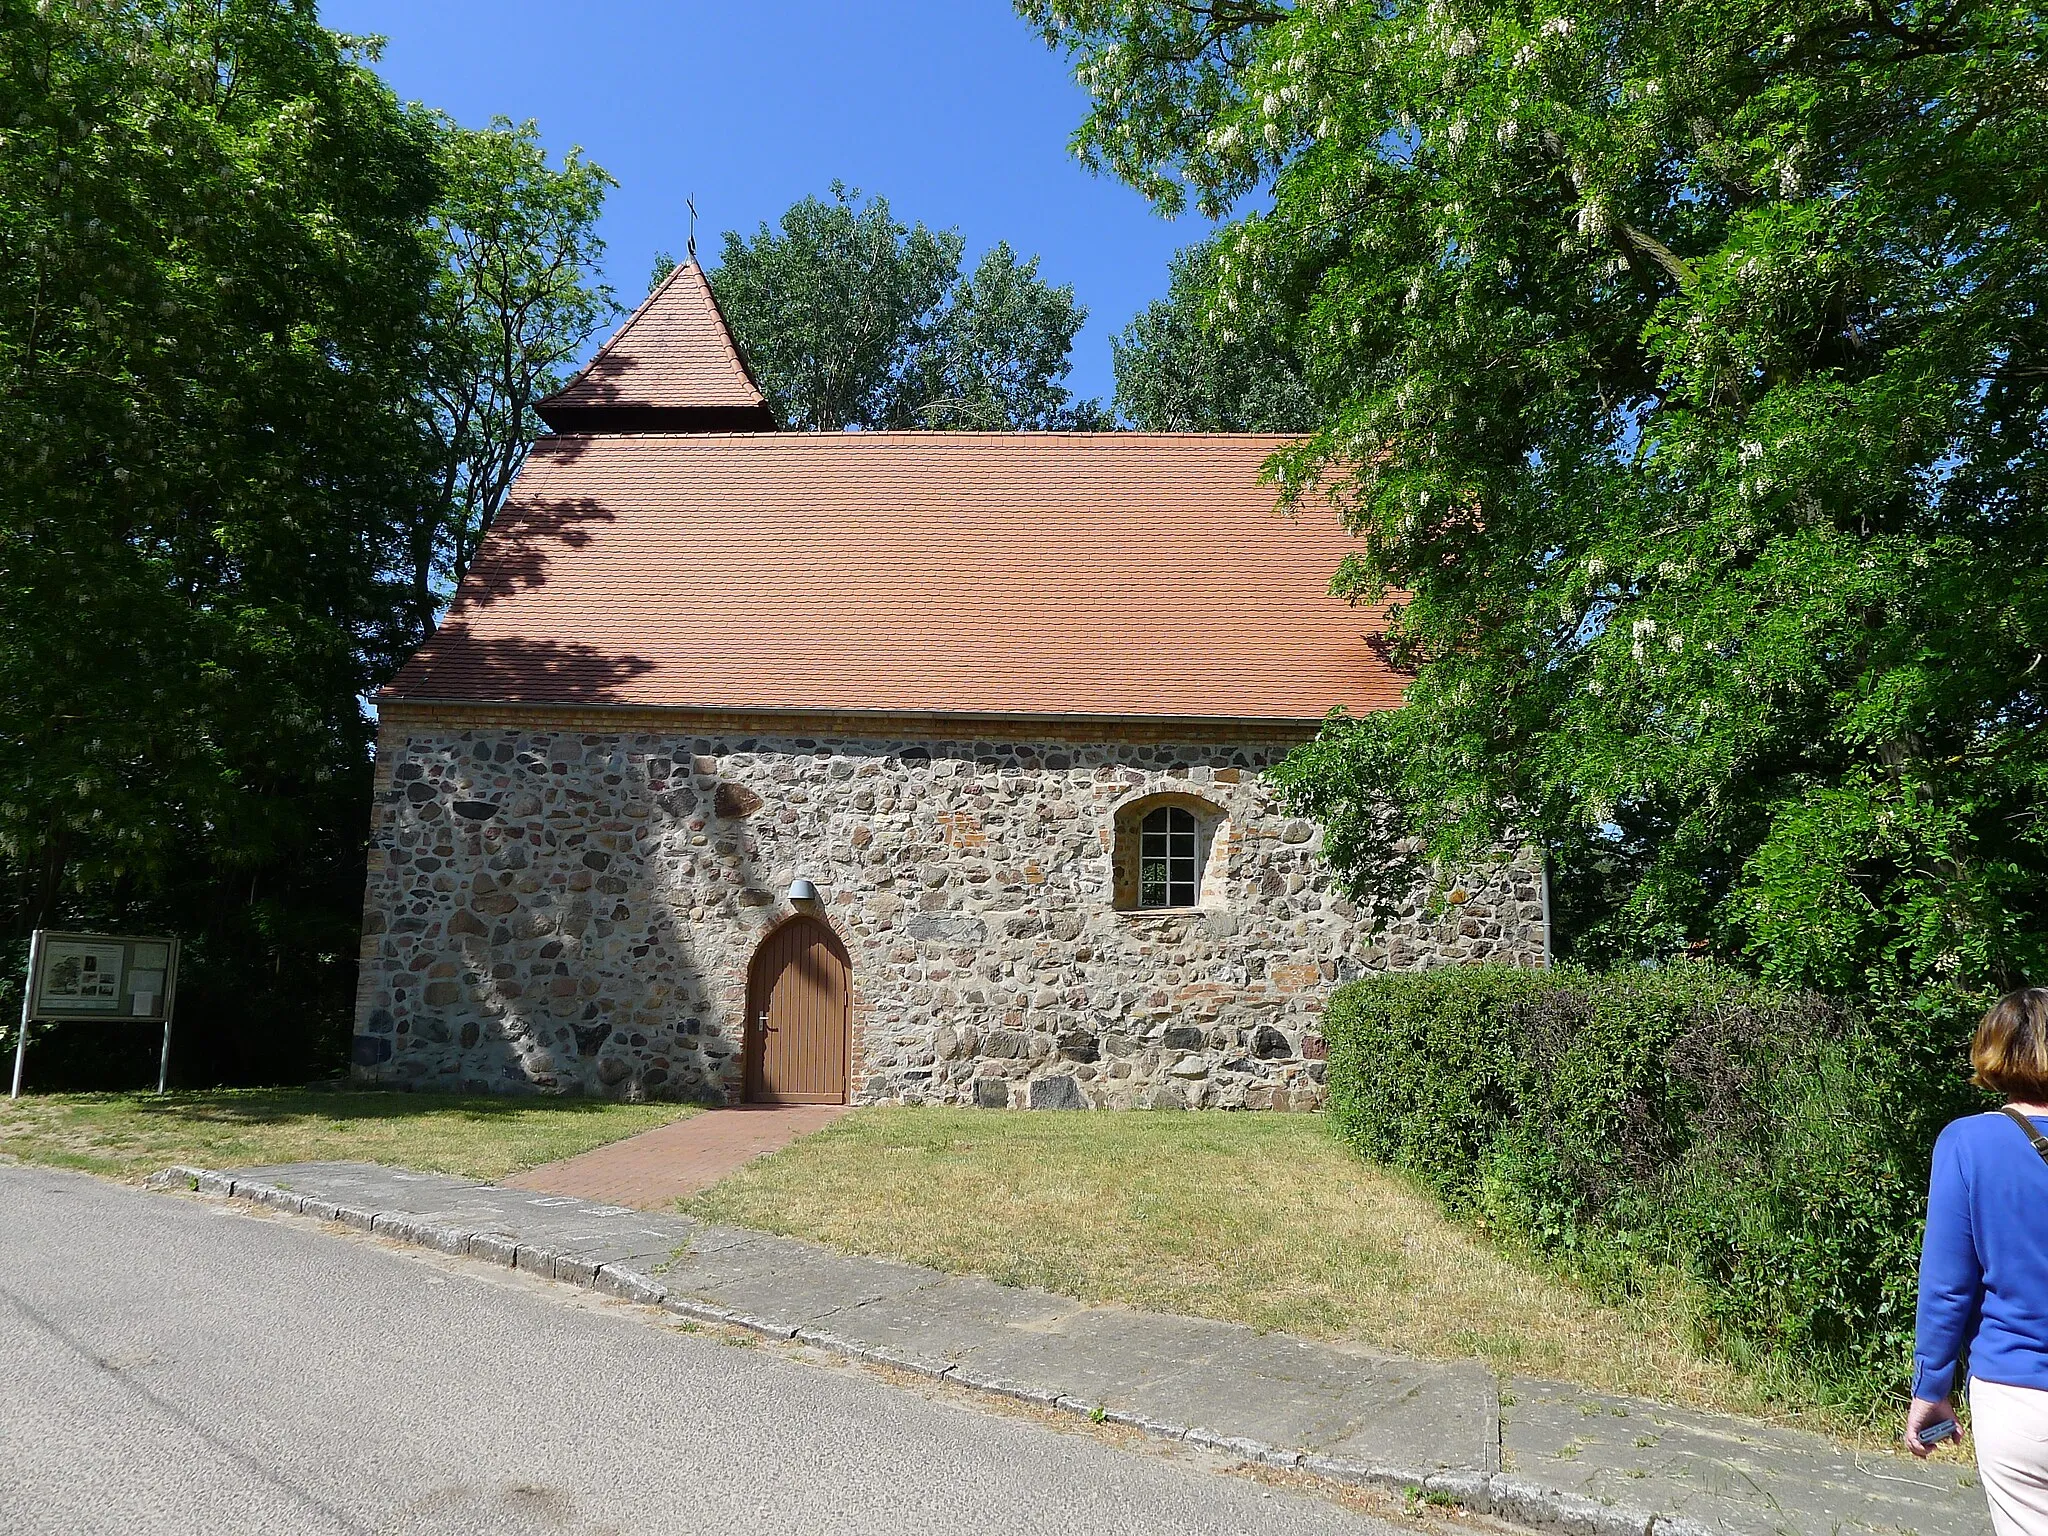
<point x="2010" y="1052"/>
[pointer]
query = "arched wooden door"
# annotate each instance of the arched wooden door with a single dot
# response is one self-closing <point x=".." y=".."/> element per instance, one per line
<point x="797" y="1017"/>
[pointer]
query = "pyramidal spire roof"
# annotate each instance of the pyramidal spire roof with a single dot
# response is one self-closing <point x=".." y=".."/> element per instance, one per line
<point x="672" y="367"/>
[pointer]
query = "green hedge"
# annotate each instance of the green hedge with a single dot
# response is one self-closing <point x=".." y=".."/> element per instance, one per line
<point x="1765" y="1143"/>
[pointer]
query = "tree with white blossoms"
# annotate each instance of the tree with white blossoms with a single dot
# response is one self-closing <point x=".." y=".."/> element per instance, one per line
<point x="1691" y="374"/>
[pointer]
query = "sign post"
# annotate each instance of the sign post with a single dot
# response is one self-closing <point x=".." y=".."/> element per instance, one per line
<point x="103" y="977"/>
<point x="35" y="952"/>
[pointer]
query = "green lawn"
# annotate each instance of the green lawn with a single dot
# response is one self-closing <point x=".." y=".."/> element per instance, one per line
<point x="1253" y="1218"/>
<point x="131" y="1135"/>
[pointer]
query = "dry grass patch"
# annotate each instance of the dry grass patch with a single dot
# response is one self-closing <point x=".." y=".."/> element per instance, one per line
<point x="1260" y="1219"/>
<point x="131" y="1135"/>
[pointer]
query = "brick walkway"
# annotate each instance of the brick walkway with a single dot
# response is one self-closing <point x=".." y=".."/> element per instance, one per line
<point x="655" y="1168"/>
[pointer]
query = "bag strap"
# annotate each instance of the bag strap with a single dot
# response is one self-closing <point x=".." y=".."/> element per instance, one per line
<point x="2040" y="1142"/>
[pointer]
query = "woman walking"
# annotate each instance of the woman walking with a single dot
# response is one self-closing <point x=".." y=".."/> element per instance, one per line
<point x="1984" y="1272"/>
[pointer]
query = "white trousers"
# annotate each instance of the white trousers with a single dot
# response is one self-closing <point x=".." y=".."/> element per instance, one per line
<point x="2010" y="1425"/>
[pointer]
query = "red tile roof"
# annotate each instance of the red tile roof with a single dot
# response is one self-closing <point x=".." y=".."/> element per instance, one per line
<point x="1107" y="574"/>
<point x="671" y="367"/>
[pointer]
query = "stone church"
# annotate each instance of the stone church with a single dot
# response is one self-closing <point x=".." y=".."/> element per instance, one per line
<point x="919" y="767"/>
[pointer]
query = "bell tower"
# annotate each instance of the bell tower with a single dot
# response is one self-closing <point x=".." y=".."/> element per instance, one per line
<point x="672" y="367"/>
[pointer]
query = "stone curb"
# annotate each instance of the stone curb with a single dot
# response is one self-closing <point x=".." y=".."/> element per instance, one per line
<point x="1499" y="1495"/>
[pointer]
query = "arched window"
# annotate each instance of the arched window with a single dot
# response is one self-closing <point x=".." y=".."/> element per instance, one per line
<point x="1169" y="861"/>
<point x="1169" y="852"/>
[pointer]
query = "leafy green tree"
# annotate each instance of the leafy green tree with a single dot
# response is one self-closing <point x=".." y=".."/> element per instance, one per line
<point x="996" y="352"/>
<point x="1689" y="379"/>
<point x="1180" y="368"/>
<point x="209" y="351"/>
<point x="265" y="361"/>
<point x="828" y="306"/>
<point x="516" y="298"/>
<point x="849" y="318"/>
<point x="229" y="297"/>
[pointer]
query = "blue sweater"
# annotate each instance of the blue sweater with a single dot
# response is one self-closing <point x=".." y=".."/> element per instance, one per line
<point x="1984" y="1263"/>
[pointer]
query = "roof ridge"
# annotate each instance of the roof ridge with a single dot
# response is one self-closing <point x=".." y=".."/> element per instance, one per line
<point x="732" y="345"/>
<point x="632" y="319"/>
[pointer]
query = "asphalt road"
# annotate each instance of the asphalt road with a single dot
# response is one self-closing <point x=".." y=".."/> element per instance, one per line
<point x="169" y="1365"/>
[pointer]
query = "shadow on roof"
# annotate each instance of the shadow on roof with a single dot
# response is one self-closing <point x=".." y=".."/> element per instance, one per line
<point x="515" y="670"/>
<point x="602" y="379"/>
<point x="523" y="542"/>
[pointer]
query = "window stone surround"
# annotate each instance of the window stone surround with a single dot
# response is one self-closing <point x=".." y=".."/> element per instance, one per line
<point x="1213" y="837"/>
<point x="568" y="901"/>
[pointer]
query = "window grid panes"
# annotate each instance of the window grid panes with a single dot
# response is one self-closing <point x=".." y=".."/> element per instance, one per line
<point x="1168" y="875"/>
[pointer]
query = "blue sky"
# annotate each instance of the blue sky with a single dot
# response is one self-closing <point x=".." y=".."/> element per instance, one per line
<point x="952" y="109"/>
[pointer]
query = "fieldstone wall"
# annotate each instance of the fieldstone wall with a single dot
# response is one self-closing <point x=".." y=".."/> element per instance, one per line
<point x="574" y="910"/>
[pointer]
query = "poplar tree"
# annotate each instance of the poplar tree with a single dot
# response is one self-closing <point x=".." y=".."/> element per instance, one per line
<point x="1183" y="367"/>
<point x="850" y="318"/>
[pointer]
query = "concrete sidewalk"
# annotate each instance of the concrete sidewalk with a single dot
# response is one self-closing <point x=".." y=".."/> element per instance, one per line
<point x="1535" y="1452"/>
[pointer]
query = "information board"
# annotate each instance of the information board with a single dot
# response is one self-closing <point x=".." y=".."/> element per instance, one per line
<point x="104" y="978"/>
